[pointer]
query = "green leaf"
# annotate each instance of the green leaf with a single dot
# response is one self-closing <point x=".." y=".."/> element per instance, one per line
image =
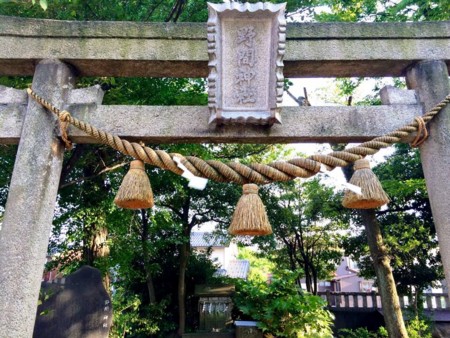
<point x="43" y="4"/>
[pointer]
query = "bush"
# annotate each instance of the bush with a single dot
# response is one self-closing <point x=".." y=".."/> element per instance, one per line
<point x="362" y="332"/>
<point x="419" y="327"/>
<point x="282" y="309"/>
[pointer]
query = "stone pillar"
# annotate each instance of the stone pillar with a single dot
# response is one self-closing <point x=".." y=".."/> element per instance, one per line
<point x="29" y="210"/>
<point x="431" y="82"/>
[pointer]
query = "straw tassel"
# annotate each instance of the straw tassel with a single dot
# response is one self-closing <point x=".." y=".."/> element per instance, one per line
<point x="373" y="195"/>
<point x="250" y="217"/>
<point x="135" y="191"/>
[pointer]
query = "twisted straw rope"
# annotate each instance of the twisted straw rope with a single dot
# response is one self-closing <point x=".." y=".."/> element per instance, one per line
<point x="241" y="173"/>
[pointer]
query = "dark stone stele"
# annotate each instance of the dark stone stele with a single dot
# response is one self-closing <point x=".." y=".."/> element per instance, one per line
<point x="78" y="308"/>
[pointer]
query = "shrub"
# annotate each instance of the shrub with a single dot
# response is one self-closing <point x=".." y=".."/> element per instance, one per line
<point x="419" y="327"/>
<point x="283" y="310"/>
<point x="362" y="332"/>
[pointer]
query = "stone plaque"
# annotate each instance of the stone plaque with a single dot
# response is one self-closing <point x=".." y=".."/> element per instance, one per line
<point x="246" y="44"/>
<point x="74" y="307"/>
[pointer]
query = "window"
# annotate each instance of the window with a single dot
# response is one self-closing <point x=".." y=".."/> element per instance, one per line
<point x="365" y="286"/>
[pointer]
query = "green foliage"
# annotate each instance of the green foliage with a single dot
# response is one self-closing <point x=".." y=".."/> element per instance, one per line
<point x="45" y="295"/>
<point x="416" y="10"/>
<point x="151" y="91"/>
<point x="42" y="3"/>
<point x="261" y="265"/>
<point x="419" y="327"/>
<point x="373" y="10"/>
<point x="347" y="86"/>
<point x="124" y="10"/>
<point x="132" y="318"/>
<point x="307" y="220"/>
<point x="7" y="157"/>
<point x="362" y="332"/>
<point x="407" y="225"/>
<point x="281" y="309"/>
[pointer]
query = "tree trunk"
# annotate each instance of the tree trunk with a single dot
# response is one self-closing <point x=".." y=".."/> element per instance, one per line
<point x="393" y="316"/>
<point x="184" y="257"/>
<point x="96" y="247"/>
<point x="392" y="312"/>
<point x="95" y="243"/>
<point x="185" y="250"/>
<point x="293" y="264"/>
<point x="150" y="288"/>
<point x="148" y="273"/>
<point x="314" y="281"/>
<point x="307" y="278"/>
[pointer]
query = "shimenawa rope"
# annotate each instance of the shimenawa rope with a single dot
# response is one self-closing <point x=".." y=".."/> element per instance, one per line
<point x="252" y="173"/>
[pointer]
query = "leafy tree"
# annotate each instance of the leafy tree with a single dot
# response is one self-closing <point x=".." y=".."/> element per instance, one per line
<point x="373" y="10"/>
<point x="260" y="263"/>
<point x="420" y="327"/>
<point x="407" y="226"/>
<point x="306" y="219"/>
<point x="281" y="309"/>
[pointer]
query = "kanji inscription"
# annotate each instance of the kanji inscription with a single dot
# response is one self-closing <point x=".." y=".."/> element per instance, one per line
<point x="246" y="46"/>
<point x="244" y="91"/>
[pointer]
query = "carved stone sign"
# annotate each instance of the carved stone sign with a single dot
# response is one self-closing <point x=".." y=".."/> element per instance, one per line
<point x="246" y="44"/>
<point x="75" y="307"/>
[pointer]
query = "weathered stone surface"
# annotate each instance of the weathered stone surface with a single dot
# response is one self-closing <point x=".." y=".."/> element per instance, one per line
<point x="431" y="82"/>
<point x="31" y="200"/>
<point x="16" y="26"/>
<point x="394" y="96"/>
<point x="180" y="50"/>
<point x="178" y="124"/>
<point x="246" y="46"/>
<point x="12" y="96"/>
<point x="78" y="308"/>
<point x="89" y="95"/>
<point x="11" y="121"/>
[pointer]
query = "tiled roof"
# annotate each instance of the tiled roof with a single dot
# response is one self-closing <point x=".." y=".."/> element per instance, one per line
<point x="206" y="239"/>
<point x="236" y="269"/>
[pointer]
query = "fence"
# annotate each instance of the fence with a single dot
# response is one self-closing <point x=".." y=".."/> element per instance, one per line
<point x="372" y="301"/>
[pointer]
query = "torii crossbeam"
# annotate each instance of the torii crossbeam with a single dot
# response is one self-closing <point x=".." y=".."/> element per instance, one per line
<point x="55" y="52"/>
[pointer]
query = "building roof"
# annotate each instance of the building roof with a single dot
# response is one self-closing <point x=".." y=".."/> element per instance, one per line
<point x="344" y="277"/>
<point x="206" y="239"/>
<point x="238" y="268"/>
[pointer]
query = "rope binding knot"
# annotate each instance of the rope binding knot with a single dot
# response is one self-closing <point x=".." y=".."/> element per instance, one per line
<point x="422" y="132"/>
<point x="64" y="116"/>
<point x="64" y="120"/>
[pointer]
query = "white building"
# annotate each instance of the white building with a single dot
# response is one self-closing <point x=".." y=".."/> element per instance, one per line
<point x="221" y="252"/>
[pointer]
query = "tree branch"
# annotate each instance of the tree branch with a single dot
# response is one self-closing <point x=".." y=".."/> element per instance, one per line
<point x="151" y="11"/>
<point x="174" y="210"/>
<point x="86" y="178"/>
<point x="71" y="162"/>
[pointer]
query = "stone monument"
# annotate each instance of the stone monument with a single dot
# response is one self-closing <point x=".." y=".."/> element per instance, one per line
<point x="75" y="307"/>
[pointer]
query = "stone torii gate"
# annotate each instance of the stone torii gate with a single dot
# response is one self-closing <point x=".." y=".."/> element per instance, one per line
<point x="56" y="52"/>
